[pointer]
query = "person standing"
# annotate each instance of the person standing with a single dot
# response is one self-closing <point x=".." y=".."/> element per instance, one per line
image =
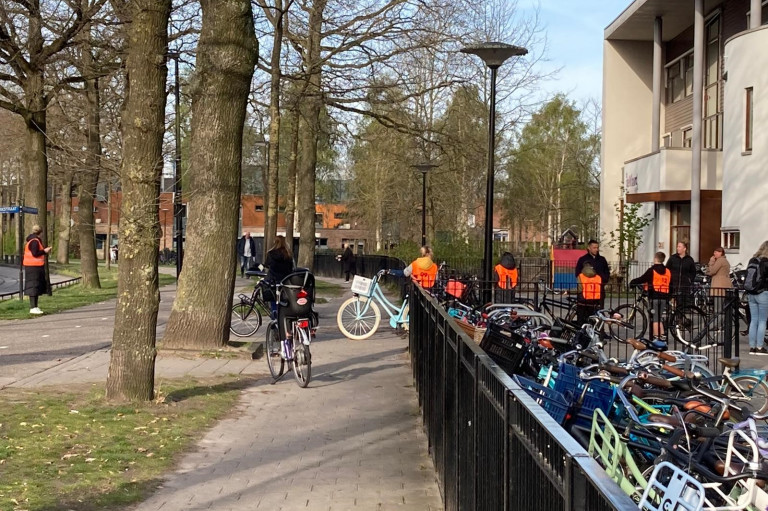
<point x="35" y="281"/>
<point x="683" y="269"/>
<point x="590" y="288"/>
<point x="720" y="270"/>
<point x="246" y="250"/>
<point x="422" y="270"/>
<point x="657" y="281"/>
<point x="758" y="302"/>
<point x="349" y="261"/>
<point x="599" y="264"/>
<point x="507" y="278"/>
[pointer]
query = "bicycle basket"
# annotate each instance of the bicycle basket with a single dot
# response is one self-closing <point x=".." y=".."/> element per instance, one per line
<point x="297" y="294"/>
<point x="362" y="286"/>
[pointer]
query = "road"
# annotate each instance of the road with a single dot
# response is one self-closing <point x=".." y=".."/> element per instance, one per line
<point x="9" y="279"/>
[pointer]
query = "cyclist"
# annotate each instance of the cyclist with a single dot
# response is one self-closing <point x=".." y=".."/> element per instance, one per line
<point x="280" y="264"/>
<point x="656" y="280"/>
<point x="422" y="270"/>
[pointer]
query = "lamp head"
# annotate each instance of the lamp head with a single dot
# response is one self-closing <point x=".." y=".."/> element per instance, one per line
<point x="494" y="53"/>
<point x="424" y="167"/>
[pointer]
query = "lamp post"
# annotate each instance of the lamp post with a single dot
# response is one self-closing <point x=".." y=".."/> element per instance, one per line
<point x="493" y="54"/>
<point x="424" y="168"/>
<point x="178" y="209"/>
<point x="165" y="228"/>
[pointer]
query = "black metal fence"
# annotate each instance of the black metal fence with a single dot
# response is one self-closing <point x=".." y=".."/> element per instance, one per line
<point x="493" y="447"/>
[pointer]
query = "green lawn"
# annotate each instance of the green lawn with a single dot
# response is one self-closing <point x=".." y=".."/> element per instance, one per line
<point x="69" y="449"/>
<point x="70" y="297"/>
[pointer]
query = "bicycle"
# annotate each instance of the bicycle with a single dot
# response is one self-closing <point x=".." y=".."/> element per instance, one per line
<point x="359" y="317"/>
<point x="246" y="317"/>
<point x="295" y="297"/>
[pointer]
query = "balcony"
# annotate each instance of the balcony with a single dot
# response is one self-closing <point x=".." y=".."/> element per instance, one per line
<point x="669" y="170"/>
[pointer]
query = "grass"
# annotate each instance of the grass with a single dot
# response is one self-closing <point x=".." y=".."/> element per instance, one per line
<point x="70" y="449"/>
<point x="70" y="297"/>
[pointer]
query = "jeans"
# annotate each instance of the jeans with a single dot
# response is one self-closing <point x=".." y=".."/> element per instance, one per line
<point x="758" y="308"/>
<point x="245" y="263"/>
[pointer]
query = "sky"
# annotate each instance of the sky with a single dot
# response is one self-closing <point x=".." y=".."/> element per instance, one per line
<point x="574" y="32"/>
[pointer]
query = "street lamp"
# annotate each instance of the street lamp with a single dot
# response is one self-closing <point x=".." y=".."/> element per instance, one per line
<point x="493" y="54"/>
<point x="178" y="209"/>
<point x="165" y="228"/>
<point x="424" y="168"/>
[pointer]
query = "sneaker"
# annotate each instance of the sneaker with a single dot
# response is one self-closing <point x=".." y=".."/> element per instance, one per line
<point x="744" y="332"/>
<point x="761" y="351"/>
<point x="752" y="350"/>
<point x="35" y="310"/>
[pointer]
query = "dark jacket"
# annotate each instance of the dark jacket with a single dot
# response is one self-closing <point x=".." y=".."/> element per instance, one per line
<point x="683" y="272"/>
<point x="280" y="265"/>
<point x="647" y="278"/>
<point x="35" y="281"/>
<point x="598" y="262"/>
<point x="349" y="259"/>
<point x="241" y="246"/>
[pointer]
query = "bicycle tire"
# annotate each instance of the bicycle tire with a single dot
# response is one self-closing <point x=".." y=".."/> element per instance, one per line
<point x="353" y="324"/>
<point x="631" y="315"/>
<point x="754" y="388"/>
<point x="302" y="357"/>
<point x="245" y="319"/>
<point x="272" y="348"/>
<point x="689" y="326"/>
<point x="405" y="325"/>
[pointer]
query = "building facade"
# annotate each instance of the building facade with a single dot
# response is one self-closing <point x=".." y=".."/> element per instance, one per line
<point x="685" y="112"/>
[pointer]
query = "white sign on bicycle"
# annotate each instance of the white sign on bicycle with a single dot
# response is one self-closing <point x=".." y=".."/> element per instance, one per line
<point x="361" y="285"/>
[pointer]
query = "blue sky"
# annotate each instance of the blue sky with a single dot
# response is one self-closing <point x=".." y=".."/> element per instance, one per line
<point x="574" y="32"/>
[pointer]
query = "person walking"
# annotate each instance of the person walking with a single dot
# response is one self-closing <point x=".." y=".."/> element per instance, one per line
<point x="720" y="270"/>
<point x="349" y="262"/>
<point x="758" y="301"/>
<point x="507" y="278"/>
<point x="246" y="250"/>
<point x="35" y="281"/>
<point x="683" y="269"/>
<point x="598" y="263"/>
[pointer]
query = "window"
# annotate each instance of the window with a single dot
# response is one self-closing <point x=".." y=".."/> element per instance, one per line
<point x="259" y="207"/>
<point x="748" y="119"/>
<point x="731" y="239"/>
<point x="687" y="137"/>
<point x="712" y="76"/>
<point x="680" y="222"/>
<point x="680" y="78"/>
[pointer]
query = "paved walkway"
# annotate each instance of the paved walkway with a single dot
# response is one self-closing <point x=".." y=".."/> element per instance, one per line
<point x="352" y="440"/>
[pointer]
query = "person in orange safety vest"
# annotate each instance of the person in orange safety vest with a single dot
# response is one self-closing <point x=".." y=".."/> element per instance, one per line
<point x="35" y="281"/>
<point x="656" y="281"/>
<point x="590" y="286"/>
<point x="422" y="270"/>
<point x="507" y="278"/>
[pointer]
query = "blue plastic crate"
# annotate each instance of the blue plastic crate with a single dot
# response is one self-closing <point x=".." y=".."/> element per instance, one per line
<point x="552" y="401"/>
<point x="592" y="394"/>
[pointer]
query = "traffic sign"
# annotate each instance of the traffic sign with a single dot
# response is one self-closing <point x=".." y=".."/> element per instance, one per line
<point x="28" y="209"/>
<point x="10" y="209"/>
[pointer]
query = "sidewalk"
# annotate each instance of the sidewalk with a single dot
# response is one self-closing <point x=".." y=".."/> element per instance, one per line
<point x="352" y="440"/>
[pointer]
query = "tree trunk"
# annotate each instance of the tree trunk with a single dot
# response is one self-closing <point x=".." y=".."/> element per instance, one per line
<point x="131" y="374"/>
<point x="65" y="219"/>
<point x="314" y="102"/>
<point x="271" y="208"/>
<point x="36" y="179"/>
<point x="89" y="179"/>
<point x="293" y="161"/>
<point x="226" y="58"/>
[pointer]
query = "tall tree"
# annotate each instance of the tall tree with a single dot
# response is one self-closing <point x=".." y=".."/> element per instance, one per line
<point x="226" y="58"/>
<point x="132" y="362"/>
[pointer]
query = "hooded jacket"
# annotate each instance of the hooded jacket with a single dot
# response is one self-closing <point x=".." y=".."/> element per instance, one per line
<point x="656" y="279"/>
<point x="506" y="272"/>
<point x="422" y="271"/>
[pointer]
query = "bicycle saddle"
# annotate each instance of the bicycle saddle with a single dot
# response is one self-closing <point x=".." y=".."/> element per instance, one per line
<point x="733" y="363"/>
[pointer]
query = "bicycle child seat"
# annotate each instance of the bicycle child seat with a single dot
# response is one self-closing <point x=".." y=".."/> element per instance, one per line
<point x="297" y="294"/>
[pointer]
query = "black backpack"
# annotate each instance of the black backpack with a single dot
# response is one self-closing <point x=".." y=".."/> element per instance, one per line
<point x="754" y="281"/>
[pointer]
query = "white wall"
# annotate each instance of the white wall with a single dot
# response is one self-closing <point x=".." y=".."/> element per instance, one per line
<point x="745" y="176"/>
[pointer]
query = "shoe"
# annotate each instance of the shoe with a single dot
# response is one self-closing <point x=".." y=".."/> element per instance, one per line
<point x="35" y="310"/>
<point x="752" y="351"/>
<point x="744" y="332"/>
<point x="761" y="351"/>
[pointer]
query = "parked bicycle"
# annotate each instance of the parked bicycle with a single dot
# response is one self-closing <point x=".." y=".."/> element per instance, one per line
<point x="359" y="317"/>
<point x="246" y="317"/>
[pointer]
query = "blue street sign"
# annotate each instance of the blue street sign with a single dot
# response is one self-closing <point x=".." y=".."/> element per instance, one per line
<point x="10" y="209"/>
<point x="30" y="210"/>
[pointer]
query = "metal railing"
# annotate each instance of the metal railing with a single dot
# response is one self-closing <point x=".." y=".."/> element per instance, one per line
<point x="54" y="285"/>
<point x="493" y="447"/>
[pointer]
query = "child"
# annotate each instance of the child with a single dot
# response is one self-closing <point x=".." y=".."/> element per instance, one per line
<point x="656" y="280"/>
<point x="590" y="293"/>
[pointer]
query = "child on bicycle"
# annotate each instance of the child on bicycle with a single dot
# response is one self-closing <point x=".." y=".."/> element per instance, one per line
<point x="656" y="281"/>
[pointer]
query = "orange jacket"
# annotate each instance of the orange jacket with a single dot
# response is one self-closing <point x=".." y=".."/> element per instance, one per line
<point x="424" y="272"/>
<point x="31" y="260"/>
<point x="591" y="287"/>
<point x="506" y="275"/>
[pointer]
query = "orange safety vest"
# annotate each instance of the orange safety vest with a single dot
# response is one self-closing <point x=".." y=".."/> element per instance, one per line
<point x="505" y="274"/>
<point x="425" y="278"/>
<point x="29" y="259"/>
<point x="590" y="286"/>
<point x="661" y="282"/>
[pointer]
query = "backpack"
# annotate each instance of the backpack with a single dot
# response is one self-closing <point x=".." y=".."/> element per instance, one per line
<point x="754" y="281"/>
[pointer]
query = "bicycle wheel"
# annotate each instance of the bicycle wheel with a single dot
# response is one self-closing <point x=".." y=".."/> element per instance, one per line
<point x="690" y="327"/>
<point x="355" y="322"/>
<point x="245" y="320"/>
<point x="302" y="358"/>
<point x="635" y="319"/>
<point x="272" y="351"/>
<point x="751" y="388"/>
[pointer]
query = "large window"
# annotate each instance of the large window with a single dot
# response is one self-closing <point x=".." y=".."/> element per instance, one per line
<point x="712" y="115"/>
<point x="680" y="78"/>
<point x="680" y="224"/>
<point x="748" y="119"/>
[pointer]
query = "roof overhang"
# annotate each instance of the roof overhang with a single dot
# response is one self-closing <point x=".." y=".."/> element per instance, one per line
<point x="636" y="22"/>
